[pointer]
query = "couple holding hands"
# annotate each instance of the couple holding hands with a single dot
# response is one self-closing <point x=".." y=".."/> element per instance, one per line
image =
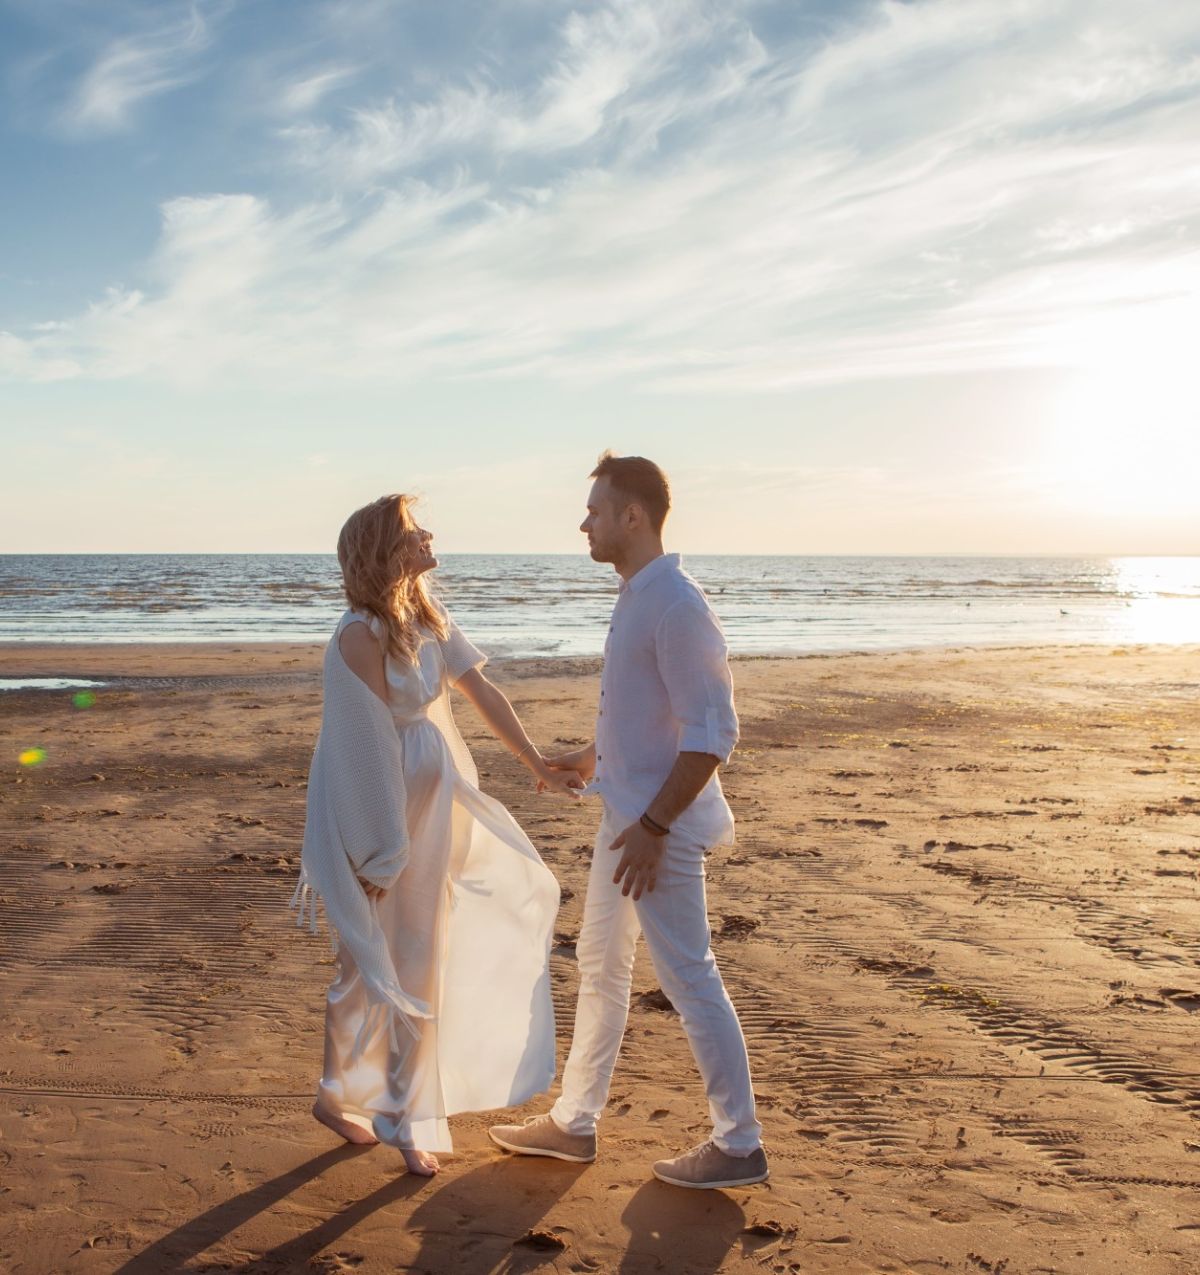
<point x="441" y="911"/>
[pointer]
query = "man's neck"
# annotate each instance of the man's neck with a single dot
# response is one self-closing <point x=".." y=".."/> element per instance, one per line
<point x="638" y="558"/>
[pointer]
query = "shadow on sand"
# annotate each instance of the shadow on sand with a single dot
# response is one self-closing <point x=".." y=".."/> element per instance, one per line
<point x="468" y="1223"/>
<point x="476" y="1222"/>
<point x="672" y="1229"/>
<point x="185" y="1242"/>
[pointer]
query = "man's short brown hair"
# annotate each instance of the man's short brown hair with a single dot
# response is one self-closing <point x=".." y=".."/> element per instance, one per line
<point x="639" y="481"/>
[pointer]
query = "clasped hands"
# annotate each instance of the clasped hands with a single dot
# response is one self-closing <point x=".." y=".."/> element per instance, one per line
<point x="566" y="781"/>
<point x="568" y="772"/>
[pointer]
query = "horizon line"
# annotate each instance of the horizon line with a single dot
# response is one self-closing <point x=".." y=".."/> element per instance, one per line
<point x="558" y="553"/>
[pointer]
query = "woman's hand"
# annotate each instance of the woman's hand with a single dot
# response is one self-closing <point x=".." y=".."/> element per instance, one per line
<point x="372" y="891"/>
<point x="566" y="782"/>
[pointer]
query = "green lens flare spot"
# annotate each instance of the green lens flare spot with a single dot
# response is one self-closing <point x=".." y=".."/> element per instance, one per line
<point x="83" y="699"/>
<point x="32" y="756"/>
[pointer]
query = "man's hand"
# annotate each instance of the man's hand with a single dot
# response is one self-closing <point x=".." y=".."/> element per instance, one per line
<point x="639" y="862"/>
<point x="582" y="761"/>
<point x="372" y="891"/>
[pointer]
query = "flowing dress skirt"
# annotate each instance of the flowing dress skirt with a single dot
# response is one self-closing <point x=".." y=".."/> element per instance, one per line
<point x="469" y="923"/>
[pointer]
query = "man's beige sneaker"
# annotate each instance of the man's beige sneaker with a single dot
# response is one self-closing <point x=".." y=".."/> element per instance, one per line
<point x="707" y="1166"/>
<point x="539" y="1135"/>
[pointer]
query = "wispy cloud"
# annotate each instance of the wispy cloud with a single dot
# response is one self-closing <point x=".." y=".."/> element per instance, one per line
<point x="691" y="197"/>
<point x="133" y="68"/>
<point x="620" y="74"/>
<point x="306" y="93"/>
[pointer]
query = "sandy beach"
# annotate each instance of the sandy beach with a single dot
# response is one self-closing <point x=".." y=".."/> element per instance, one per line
<point x="961" y="925"/>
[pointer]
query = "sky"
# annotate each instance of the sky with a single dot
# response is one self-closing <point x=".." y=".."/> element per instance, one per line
<point x="862" y="277"/>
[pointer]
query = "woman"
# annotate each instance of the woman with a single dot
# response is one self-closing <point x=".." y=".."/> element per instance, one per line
<point x="440" y="910"/>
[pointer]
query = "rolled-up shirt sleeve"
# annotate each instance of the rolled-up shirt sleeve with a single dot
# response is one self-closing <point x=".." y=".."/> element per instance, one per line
<point x="693" y="662"/>
<point x="458" y="652"/>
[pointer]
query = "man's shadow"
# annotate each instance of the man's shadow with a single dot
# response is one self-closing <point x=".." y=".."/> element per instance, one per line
<point x="659" y="1215"/>
<point x="477" y="1222"/>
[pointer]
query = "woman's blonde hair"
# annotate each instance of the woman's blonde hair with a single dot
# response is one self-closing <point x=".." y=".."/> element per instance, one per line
<point x="375" y="574"/>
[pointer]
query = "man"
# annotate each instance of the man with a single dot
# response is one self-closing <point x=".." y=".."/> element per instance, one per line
<point x="665" y="723"/>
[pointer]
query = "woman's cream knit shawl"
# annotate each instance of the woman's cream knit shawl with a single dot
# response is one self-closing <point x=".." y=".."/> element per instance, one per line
<point x="355" y="827"/>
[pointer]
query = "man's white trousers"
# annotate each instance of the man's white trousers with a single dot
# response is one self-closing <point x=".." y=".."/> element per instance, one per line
<point x="674" y="919"/>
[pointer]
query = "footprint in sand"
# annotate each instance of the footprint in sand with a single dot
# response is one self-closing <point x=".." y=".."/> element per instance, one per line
<point x="337" y="1261"/>
<point x="734" y="926"/>
<point x="769" y="1229"/>
<point x="542" y="1241"/>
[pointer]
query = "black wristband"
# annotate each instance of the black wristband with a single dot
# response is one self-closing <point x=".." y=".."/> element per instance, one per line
<point x="653" y="826"/>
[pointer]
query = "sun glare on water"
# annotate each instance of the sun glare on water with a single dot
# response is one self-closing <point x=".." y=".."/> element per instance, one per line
<point x="1162" y="599"/>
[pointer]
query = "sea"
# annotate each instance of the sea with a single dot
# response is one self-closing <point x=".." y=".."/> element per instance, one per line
<point x="539" y="605"/>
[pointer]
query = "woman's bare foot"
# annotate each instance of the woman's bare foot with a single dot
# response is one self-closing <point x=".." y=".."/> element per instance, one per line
<point x="421" y="1162"/>
<point x="344" y="1128"/>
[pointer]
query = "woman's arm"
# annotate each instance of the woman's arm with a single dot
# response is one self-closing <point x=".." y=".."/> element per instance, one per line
<point x="492" y="705"/>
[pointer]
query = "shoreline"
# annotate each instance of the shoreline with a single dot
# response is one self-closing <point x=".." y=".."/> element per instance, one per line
<point x="197" y="659"/>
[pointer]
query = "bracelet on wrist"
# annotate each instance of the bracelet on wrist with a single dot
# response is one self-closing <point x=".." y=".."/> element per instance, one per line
<point x="652" y="826"/>
<point x="524" y="750"/>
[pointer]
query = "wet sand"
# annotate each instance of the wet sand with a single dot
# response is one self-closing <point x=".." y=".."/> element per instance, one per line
<point x="961" y="925"/>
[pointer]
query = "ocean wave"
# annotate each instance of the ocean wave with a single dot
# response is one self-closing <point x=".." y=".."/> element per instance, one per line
<point x="561" y="603"/>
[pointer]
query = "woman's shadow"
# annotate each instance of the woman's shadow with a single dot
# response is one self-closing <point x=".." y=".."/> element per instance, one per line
<point x="467" y="1223"/>
<point x="173" y="1250"/>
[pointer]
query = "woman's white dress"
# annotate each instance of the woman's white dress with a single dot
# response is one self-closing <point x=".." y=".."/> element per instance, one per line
<point x="468" y="923"/>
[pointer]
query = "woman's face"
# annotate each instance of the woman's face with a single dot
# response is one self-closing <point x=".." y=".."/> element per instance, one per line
<point x="416" y="552"/>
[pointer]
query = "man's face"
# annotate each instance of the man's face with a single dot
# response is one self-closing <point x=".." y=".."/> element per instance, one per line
<point x="604" y="525"/>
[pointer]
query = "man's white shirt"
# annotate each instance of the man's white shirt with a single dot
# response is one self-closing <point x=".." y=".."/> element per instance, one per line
<point x="666" y="689"/>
